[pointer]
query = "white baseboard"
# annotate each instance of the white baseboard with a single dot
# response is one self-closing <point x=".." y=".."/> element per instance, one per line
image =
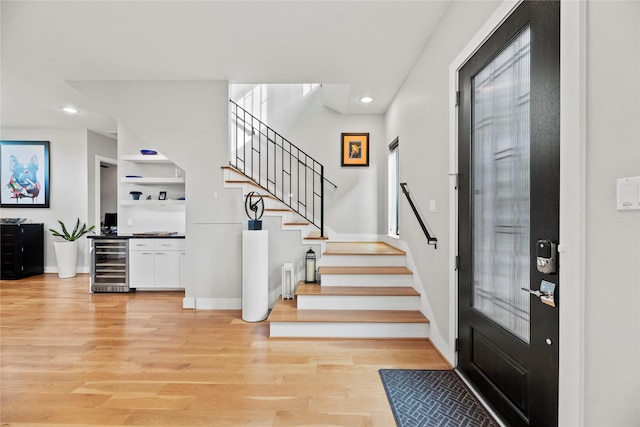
<point x="212" y="303"/>
<point x="54" y="269"/>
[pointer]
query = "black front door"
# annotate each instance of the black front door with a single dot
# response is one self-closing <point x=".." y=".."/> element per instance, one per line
<point x="509" y="165"/>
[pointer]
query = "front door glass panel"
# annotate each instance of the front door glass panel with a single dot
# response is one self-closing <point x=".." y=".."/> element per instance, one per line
<point x="501" y="184"/>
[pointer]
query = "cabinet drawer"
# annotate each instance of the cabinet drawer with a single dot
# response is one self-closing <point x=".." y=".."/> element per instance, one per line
<point x="141" y="244"/>
<point x="167" y="245"/>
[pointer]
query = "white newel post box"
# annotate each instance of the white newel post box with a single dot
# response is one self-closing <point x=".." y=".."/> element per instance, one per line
<point x="255" y="275"/>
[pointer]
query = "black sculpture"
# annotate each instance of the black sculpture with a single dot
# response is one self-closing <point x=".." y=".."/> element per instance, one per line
<point x="255" y="209"/>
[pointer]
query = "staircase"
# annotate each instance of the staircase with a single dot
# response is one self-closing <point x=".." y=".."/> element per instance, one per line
<point x="366" y="292"/>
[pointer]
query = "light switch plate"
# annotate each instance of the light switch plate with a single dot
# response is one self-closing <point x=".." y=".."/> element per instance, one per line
<point x="628" y="193"/>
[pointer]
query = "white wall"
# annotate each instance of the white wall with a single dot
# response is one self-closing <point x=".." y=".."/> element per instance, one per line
<point x="68" y="178"/>
<point x="419" y="117"/>
<point x="612" y="274"/>
<point x="358" y="204"/>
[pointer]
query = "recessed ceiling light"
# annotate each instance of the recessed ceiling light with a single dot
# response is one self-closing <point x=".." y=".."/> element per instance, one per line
<point x="366" y="99"/>
<point x="70" y="110"/>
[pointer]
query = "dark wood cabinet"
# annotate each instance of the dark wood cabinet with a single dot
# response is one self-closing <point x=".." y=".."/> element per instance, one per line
<point x="22" y="250"/>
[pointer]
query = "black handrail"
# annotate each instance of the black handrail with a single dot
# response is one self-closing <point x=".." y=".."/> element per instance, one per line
<point x="431" y="240"/>
<point x="279" y="167"/>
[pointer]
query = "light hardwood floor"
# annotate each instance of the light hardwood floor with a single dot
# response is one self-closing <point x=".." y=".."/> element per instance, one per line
<point x="72" y="358"/>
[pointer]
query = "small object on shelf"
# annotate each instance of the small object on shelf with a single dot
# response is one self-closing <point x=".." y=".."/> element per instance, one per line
<point x="12" y="220"/>
<point x="135" y="195"/>
<point x="148" y="152"/>
<point x="162" y="195"/>
<point x="134" y="176"/>
<point x="148" y="197"/>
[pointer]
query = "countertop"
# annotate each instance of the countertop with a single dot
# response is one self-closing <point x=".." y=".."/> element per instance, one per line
<point x="130" y="236"/>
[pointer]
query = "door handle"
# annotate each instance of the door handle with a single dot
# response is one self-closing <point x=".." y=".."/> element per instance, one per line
<point x="532" y="292"/>
<point x="546" y="293"/>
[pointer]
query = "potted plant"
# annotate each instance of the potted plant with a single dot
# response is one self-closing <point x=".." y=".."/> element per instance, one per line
<point x="67" y="250"/>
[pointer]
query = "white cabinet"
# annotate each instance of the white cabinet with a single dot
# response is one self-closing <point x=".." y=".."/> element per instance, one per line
<point x="141" y="269"/>
<point x="155" y="263"/>
<point x="167" y="263"/>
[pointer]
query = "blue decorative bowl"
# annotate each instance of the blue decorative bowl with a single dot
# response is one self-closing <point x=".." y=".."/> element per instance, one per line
<point x="148" y="152"/>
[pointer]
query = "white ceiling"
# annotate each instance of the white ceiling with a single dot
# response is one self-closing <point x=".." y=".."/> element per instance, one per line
<point x="355" y="47"/>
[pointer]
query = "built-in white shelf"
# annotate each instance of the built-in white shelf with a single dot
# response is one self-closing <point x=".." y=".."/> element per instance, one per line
<point x="142" y="158"/>
<point x="151" y="202"/>
<point x="155" y="180"/>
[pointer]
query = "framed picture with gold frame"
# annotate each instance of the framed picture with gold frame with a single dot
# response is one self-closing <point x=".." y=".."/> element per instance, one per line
<point x="355" y="149"/>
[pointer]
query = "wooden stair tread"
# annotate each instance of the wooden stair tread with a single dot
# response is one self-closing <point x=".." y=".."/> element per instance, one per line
<point x="242" y="181"/>
<point x="315" y="289"/>
<point x="363" y="270"/>
<point x="286" y="311"/>
<point x="264" y="196"/>
<point x="361" y="248"/>
<point x="296" y="223"/>
<point x="315" y="236"/>
<point x="278" y="210"/>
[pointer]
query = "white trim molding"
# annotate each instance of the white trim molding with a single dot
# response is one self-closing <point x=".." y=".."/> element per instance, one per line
<point x="212" y="303"/>
<point x="573" y="80"/>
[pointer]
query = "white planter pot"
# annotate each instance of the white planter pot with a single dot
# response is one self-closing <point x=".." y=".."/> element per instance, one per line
<point x="66" y="257"/>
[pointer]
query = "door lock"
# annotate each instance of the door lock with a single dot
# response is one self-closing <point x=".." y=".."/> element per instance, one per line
<point x="546" y="256"/>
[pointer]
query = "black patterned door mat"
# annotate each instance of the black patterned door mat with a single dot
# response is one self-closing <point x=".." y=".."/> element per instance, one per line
<point x="433" y="398"/>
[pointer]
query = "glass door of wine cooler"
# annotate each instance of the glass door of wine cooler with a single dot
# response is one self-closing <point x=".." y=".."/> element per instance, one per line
<point x="109" y="266"/>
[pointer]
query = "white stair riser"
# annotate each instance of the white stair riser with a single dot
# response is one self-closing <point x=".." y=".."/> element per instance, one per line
<point x="349" y="330"/>
<point x="363" y="260"/>
<point x="335" y="302"/>
<point x="366" y="280"/>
